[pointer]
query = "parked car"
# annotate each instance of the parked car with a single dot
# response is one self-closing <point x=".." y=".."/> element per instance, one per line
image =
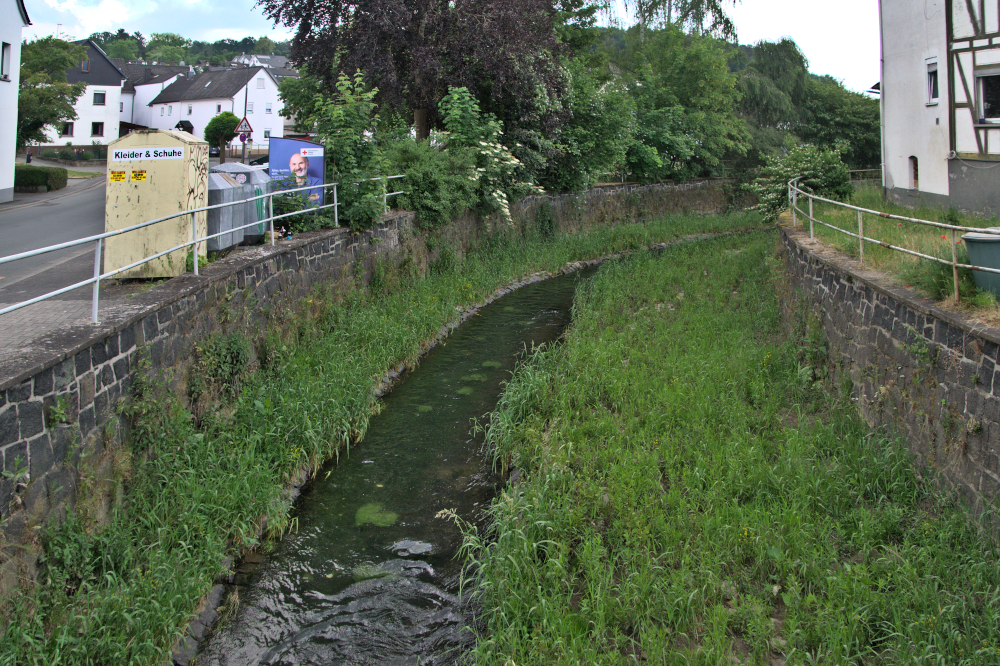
<point x="263" y="159"/>
<point x="213" y="151"/>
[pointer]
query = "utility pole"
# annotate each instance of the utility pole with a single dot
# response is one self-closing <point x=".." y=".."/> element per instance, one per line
<point x="246" y="93"/>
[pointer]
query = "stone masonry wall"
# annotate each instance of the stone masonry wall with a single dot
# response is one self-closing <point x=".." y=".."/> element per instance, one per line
<point x="58" y="399"/>
<point x="928" y="375"/>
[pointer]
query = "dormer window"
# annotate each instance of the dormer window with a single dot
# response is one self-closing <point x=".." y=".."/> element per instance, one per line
<point x="85" y="65"/>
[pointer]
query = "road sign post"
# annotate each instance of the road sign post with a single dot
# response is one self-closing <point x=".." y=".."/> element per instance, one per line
<point x="244" y="130"/>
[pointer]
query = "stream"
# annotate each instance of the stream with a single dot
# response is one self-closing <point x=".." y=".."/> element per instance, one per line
<point x="370" y="575"/>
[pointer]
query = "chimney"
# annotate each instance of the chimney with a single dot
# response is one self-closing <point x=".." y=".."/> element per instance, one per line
<point x="148" y="74"/>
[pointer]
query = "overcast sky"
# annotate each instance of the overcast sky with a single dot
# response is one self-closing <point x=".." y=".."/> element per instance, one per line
<point x="839" y="38"/>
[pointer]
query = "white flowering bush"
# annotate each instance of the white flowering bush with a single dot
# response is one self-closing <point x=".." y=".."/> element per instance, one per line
<point x="500" y="176"/>
<point x="822" y="172"/>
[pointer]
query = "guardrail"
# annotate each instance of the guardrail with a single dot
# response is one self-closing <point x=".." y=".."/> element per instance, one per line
<point x="195" y="239"/>
<point x="793" y="198"/>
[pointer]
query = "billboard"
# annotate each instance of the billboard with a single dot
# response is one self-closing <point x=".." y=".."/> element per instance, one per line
<point x="296" y="163"/>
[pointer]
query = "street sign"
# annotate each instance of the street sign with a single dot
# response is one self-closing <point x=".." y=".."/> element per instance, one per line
<point x="244" y="127"/>
<point x="243" y="138"/>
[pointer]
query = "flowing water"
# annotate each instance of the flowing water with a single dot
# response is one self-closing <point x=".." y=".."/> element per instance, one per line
<point x="370" y="576"/>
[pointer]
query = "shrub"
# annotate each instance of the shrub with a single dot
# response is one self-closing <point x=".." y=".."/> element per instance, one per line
<point x="822" y="173"/>
<point x="87" y="155"/>
<point x="54" y="178"/>
<point x="66" y="154"/>
<point x="439" y="184"/>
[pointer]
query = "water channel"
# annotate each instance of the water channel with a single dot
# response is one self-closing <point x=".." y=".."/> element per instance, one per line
<point x="370" y="575"/>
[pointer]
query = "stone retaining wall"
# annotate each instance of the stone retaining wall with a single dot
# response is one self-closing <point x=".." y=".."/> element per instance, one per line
<point x="928" y="375"/>
<point x="58" y="398"/>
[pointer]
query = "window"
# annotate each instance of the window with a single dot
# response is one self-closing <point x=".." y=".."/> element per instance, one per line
<point x="267" y="109"/>
<point x="989" y="98"/>
<point x="914" y="174"/>
<point x="121" y="106"/>
<point x="189" y="109"/>
<point x="932" y="82"/>
<point x="267" y="134"/>
<point x="99" y="98"/>
<point x="5" y="57"/>
<point x="260" y="82"/>
<point x="161" y="110"/>
<point x="218" y="108"/>
<point x="96" y="129"/>
<point x="170" y="109"/>
<point x="249" y="107"/>
<point x="85" y="65"/>
<point x="67" y="129"/>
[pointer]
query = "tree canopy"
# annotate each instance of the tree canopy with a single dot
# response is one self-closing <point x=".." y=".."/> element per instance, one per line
<point x="44" y="98"/>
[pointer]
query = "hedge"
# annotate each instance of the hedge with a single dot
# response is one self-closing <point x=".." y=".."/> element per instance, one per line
<point x="54" y="178"/>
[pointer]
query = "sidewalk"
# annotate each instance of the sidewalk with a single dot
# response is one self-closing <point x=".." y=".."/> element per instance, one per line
<point x="73" y="186"/>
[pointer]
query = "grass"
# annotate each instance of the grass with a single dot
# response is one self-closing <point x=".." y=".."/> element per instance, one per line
<point x="688" y="496"/>
<point x="198" y="490"/>
<point x="933" y="279"/>
<point x="70" y="173"/>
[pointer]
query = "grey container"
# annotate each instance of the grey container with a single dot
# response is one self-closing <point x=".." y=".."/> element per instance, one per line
<point x="257" y="183"/>
<point x="223" y="188"/>
<point x="984" y="250"/>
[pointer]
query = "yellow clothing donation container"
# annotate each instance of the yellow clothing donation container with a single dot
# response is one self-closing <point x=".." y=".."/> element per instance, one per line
<point x="151" y="174"/>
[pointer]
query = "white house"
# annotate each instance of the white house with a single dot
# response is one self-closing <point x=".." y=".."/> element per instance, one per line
<point x="143" y="83"/>
<point x="252" y="60"/>
<point x="10" y="69"/>
<point x="98" y="108"/>
<point x="199" y="98"/>
<point x="941" y="103"/>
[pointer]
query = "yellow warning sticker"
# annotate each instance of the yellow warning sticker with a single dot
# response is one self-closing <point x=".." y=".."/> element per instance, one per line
<point x="138" y="175"/>
<point x="117" y="177"/>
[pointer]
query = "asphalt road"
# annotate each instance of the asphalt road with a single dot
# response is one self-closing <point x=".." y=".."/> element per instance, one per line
<point x="76" y="215"/>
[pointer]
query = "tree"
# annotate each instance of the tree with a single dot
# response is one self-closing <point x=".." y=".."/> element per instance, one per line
<point x="263" y="46"/>
<point x="44" y="98"/>
<point x="126" y="49"/>
<point x="413" y="50"/>
<point x="168" y="47"/>
<point x="220" y="130"/>
<point x="693" y="14"/>
<point x="834" y="117"/>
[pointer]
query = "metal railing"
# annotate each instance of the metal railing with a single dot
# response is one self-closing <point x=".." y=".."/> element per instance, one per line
<point x="793" y="199"/>
<point x="98" y="239"/>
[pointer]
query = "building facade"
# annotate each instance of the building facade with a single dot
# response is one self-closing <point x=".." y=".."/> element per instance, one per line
<point x="10" y="69"/>
<point x="199" y="98"/>
<point x="941" y="103"/>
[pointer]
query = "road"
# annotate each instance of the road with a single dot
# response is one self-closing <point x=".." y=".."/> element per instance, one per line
<point x="75" y="215"/>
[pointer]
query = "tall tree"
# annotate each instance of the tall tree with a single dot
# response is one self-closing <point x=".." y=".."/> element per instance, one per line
<point x="700" y="16"/>
<point x="413" y="50"/>
<point x="44" y="98"/>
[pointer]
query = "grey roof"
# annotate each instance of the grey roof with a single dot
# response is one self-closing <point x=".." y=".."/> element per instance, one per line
<point x="23" y="12"/>
<point x="101" y="71"/>
<point x="265" y="60"/>
<point x="280" y="73"/>
<point x="208" y="85"/>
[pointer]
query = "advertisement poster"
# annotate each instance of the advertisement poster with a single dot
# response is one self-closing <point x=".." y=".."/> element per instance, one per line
<point x="296" y="163"/>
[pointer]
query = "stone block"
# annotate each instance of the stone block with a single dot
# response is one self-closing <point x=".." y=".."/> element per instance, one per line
<point x="64" y="373"/>
<point x="60" y="486"/>
<point x="165" y="315"/>
<point x="87" y="421"/>
<point x="121" y="367"/>
<point x="87" y="389"/>
<point x="111" y="346"/>
<point x="19" y="393"/>
<point x="43" y="383"/>
<point x="62" y="439"/>
<point x="127" y="339"/>
<point x="102" y="407"/>
<point x="40" y="460"/>
<point x="82" y="362"/>
<point x="149" y="329"/>
<point x="36" y="501"/>
<point x="9" y="428"/>
<point x="31" y="417"/>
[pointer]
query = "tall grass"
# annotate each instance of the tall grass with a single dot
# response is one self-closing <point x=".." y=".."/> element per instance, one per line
<point x="122" y="593"/>
<point x="687" y="498"/>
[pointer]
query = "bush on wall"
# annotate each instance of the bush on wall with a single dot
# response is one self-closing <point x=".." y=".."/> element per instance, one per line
<point x="54" y="178"/>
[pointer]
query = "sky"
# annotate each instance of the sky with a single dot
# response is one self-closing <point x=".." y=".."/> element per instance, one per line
<point x="839" y="38"/>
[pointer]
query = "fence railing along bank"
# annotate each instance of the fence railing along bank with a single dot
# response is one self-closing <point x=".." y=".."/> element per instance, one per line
<point x="98" y="239"/>
<point x="793" y="200"/>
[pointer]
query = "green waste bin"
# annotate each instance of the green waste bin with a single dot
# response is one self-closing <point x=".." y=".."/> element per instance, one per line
<point x="984" y="250"/>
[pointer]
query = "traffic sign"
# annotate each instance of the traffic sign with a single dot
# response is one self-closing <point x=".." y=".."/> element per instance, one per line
<point x="243" y="127"/>
<point x="243" y="138"/>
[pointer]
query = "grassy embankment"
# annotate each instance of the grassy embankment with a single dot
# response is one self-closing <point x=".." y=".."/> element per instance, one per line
<point x="121" y="593"/>
<point x="933" y="279"/>
<point x="686" y="499"/>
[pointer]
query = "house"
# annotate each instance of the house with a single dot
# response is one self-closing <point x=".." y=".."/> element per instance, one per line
<point x="250" y="60"/>
<point x="98" y="108"/>
<point x="940" y="98"/>
<point x="199" y="98"/>
<point x="143" y="83"/>
<point x="10" y="69"/>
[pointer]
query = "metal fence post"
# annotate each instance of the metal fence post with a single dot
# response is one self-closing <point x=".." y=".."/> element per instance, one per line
<point x="954" y="262"/>
<point x="385" y="196"/>
<point x="861" y="237"/>
<point x="194" y="237"/>
<point x="270" y="215"/>
<point x="336" y="217"/>
<point x="795" y="203"/>
<point x="811" y="234"/>
<point x="97" y="283"/>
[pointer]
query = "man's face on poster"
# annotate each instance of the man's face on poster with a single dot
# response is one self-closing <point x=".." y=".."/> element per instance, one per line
<point x="299" y="165"/>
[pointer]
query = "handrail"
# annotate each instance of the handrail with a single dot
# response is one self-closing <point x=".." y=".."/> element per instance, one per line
<point x="793" y="194"/>
<point x="195" y="239"/>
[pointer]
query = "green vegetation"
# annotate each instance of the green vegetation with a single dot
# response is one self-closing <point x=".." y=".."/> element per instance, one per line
<point x="44" y="98"/>
<point x="70" y="173"/>
<point x="820" y="171"/>
<point x="53" y="178"/>
<point x="220" y="130"/>
<point x="689" y="496"/>
<point x="192" y="489"/>
<point x="373" y="514"/>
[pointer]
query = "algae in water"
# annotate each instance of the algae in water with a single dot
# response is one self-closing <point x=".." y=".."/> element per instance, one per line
<point x="491" y="364"/>
<point x="465" y="390"/>
<point x="475" y="377"/>
<point x="374" y="514"/>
